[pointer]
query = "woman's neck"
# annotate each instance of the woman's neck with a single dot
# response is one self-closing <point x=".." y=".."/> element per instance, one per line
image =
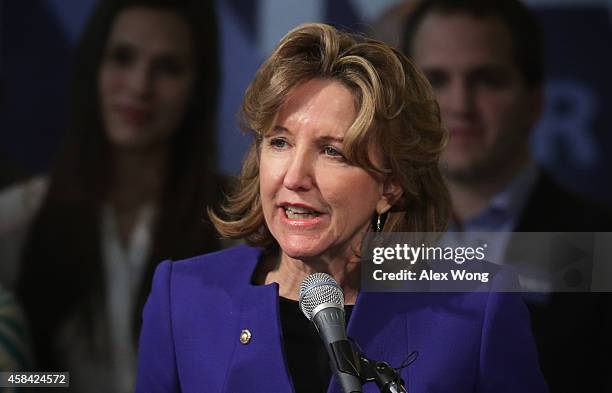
<point x="137" y="177"/>
<point x="289" y="274"/>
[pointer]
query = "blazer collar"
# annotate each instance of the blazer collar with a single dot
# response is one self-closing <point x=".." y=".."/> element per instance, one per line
<point x="377" y="325"/>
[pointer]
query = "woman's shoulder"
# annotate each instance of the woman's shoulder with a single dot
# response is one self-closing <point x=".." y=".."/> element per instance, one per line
<point x="238" y="254"/>
<point x="208" y="276"/>
<point x="20" y="202"/>
<point x="239" y="261"/>
<point x="454" y="298"/>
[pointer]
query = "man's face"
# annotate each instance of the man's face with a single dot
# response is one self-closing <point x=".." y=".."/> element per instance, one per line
<point x="484" y="100"/>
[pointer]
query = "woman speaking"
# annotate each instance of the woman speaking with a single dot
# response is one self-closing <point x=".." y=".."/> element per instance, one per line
<point x="346" y="140"/>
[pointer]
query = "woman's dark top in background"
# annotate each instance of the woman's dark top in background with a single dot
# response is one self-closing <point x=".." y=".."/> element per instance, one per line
<point x="307" y="358"/>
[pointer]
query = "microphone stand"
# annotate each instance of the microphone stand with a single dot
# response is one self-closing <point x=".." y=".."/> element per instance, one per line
<point x="386" y="377"/>
<point x="350" y="360"/>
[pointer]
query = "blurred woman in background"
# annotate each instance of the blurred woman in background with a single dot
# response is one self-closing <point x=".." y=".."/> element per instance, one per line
<point x="130" y="188"/>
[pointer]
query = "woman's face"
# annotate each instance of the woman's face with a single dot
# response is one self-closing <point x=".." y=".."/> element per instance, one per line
<point x="146" y="77"/>
<point x="314" y="202"/>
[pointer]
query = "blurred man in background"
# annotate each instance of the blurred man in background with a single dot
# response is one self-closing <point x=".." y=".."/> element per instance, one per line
<point x="484" y="60"/>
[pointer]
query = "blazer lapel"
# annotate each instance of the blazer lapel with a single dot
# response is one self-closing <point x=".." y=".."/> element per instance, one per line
<point x="379" y="329"/>
<point x="258" y="363"/>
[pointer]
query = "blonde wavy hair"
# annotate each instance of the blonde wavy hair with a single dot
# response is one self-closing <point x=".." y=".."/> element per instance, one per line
<point x="397" y="114"/>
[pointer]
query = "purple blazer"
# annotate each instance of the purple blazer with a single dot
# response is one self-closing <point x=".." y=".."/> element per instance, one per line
<point x="190" y="340"/>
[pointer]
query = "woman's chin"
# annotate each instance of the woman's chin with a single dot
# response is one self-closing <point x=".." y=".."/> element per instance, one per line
<point x="299" y="253"/>
<point x="301" y="249"/>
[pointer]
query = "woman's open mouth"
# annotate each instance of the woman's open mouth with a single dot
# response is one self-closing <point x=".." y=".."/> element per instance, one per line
<point x="300" y="213"/>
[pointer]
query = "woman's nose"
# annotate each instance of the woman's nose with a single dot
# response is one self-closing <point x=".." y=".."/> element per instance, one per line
<point x="140" y="81"/>
<point x="299" y="175"/>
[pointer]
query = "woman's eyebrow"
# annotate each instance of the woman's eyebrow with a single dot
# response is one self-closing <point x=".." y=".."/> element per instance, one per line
<point x="329" y="138"/>
<point x="119" y="44"/>
<point x="277" y="130"/>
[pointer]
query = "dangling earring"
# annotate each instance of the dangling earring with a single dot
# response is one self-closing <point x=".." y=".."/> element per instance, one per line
<point x="379" y="224"/>
<point x="380" y="221"/>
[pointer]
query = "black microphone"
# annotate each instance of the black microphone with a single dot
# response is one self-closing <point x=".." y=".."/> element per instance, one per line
<point x="322" y="301"/>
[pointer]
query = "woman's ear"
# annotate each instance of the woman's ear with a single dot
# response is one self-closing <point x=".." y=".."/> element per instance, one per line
<point x="392" y="192"/>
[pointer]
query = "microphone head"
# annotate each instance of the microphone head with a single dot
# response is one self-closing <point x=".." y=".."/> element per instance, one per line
<point x="318" y="289"/>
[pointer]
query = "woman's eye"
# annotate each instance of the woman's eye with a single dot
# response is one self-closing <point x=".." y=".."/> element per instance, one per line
<point x="170" y="67"/>
<point x="120" y="56"/>
<point x="278" y="143"/>
<point x="332" y="151"/>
